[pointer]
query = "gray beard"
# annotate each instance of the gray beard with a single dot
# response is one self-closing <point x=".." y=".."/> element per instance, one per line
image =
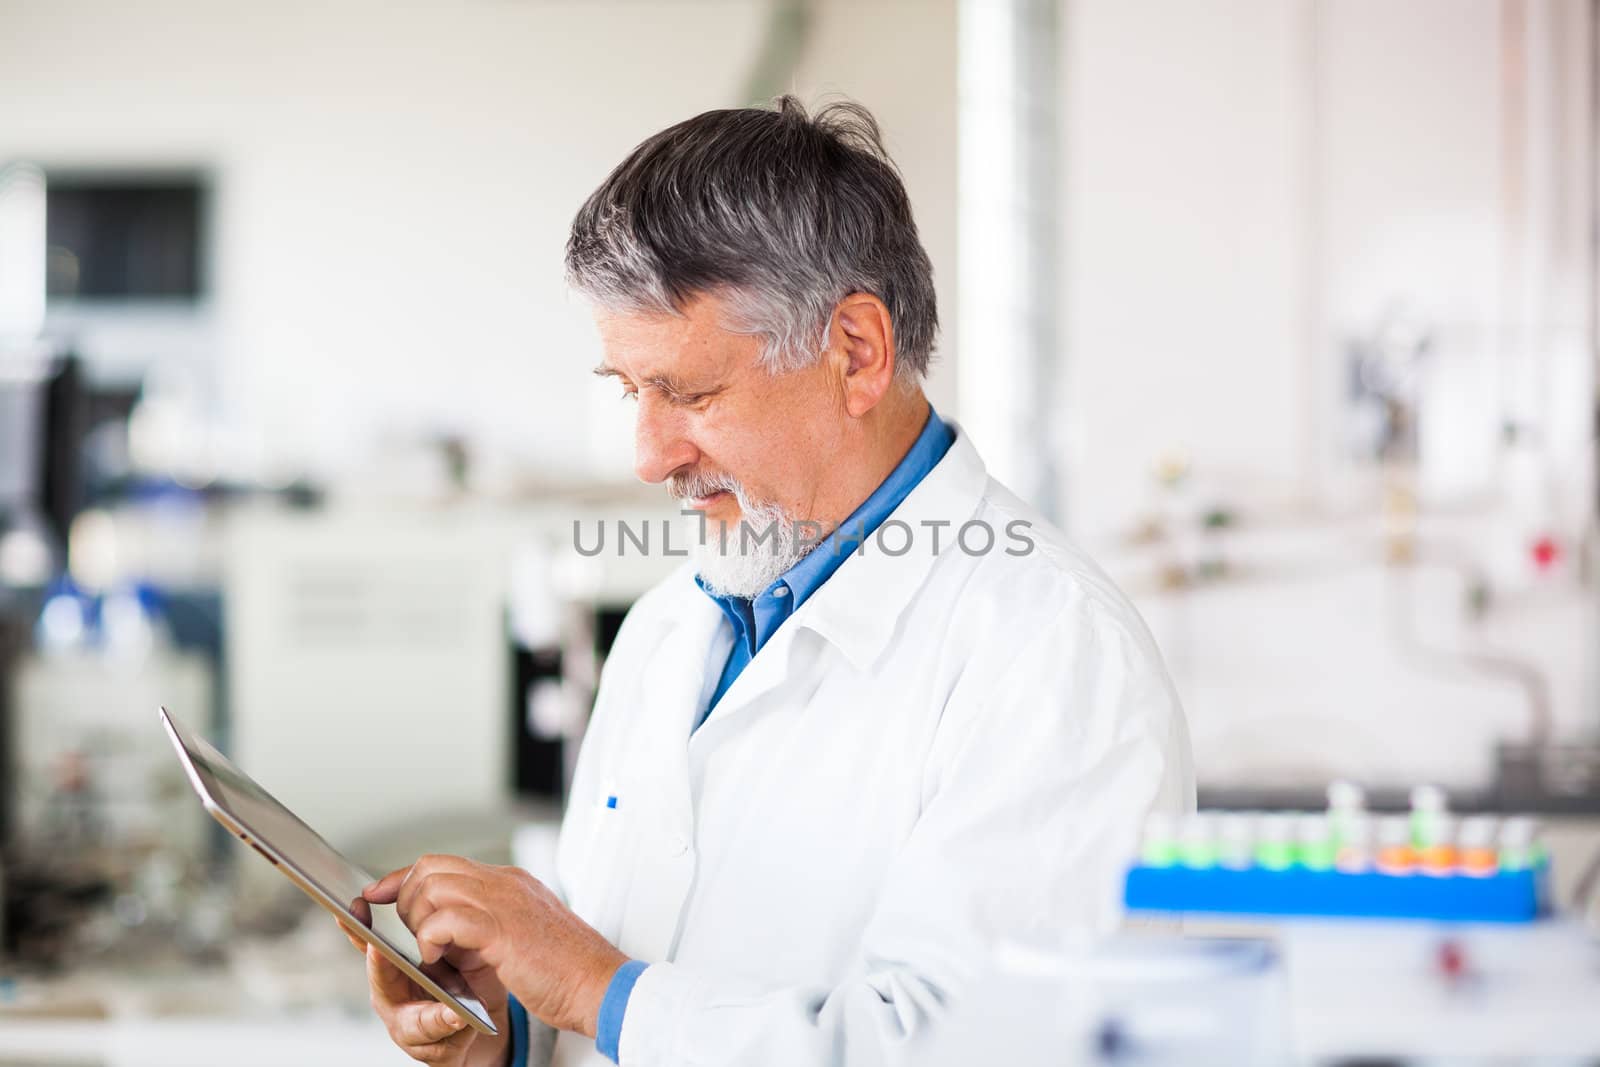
<point x="744" y="567"/>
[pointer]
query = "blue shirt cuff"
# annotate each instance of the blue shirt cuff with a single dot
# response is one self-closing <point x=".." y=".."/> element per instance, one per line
<point x="608" y="1030"/>
<point x="519" y="1032"/>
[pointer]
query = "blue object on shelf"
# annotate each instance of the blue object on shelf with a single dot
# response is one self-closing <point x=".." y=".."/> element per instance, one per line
<point x="1509" y="896"/>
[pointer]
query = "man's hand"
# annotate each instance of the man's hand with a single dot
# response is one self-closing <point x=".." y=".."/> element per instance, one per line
<point x="504" y="920"/>
<point x="424" y="1028"/>
<point x="432" y="1032"/>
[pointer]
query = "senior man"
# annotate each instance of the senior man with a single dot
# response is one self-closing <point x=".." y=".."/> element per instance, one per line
<point x="824" y="776"/>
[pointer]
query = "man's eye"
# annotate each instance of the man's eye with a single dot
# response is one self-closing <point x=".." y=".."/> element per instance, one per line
<point x="630" y="394"/>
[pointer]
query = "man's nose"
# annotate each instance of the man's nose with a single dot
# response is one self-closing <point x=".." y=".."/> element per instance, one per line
<point x="660" y="446"/>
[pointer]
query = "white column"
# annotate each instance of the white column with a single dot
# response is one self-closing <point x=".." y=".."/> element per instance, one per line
<point x="1008" y="239"/>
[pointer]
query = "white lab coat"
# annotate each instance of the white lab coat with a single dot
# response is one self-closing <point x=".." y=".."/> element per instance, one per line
<point x="933" y="755"/>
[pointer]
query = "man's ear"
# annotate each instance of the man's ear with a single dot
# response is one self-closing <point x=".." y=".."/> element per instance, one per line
<point x="863" y="343"/>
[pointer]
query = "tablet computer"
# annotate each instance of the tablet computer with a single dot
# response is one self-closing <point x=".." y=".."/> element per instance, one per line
<point x="300" y="854"/>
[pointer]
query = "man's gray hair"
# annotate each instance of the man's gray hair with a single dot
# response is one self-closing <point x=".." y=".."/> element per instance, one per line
<point x="780" y="213"/>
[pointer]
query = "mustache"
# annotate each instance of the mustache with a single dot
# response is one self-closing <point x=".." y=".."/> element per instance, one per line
<point x="690" y="485"/>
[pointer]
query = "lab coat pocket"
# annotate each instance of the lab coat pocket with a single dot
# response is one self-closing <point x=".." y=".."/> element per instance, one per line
<point x="607" y="870"/>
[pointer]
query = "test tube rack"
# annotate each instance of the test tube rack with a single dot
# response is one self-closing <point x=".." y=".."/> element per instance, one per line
<point x="1511" y="896"/>
<point x="1275" y="864"/>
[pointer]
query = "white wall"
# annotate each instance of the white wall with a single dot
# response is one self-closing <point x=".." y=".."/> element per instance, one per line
<point x="1250" y="183"/>
<point x="1409" y="162"/>
<point x="396" y="181"/>
<point x="1183" y="285"/>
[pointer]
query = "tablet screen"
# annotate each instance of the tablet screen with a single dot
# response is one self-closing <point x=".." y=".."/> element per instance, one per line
<point x="253" y="808"/>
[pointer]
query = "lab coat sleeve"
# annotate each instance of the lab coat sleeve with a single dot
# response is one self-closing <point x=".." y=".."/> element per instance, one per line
<point x="1033" y="795"/>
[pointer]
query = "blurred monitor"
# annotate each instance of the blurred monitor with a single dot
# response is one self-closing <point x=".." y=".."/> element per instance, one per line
<point x="125" y="237"/>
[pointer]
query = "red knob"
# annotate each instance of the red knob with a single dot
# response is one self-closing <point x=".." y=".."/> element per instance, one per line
<point x="1546" y="551"/>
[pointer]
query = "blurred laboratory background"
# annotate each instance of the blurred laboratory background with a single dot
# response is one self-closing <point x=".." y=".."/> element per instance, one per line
<point x="1288" y="310"/>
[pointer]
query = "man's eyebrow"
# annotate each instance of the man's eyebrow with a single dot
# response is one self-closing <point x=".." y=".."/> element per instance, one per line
<point x="665" y="382"/>
<point x="672" y="386"/>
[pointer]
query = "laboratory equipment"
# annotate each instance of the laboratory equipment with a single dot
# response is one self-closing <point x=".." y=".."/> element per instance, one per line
<point x="1311" y="991"/>
<point x="1426" y="865"/>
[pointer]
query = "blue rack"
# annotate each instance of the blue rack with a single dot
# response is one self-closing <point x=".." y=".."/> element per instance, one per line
<point x="1510" y="896"/>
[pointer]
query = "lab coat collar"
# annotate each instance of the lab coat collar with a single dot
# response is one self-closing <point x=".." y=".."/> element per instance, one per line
<point x="858" y="609"/>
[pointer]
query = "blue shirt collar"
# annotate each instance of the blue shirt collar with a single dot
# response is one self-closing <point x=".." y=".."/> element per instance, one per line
<point x="755" y="621"/>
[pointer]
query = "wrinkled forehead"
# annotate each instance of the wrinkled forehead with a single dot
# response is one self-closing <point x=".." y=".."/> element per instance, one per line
<point x="683" y="349"/>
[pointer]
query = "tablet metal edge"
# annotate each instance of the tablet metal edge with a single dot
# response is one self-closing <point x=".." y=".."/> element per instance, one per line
<point x="310" y="889"/>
